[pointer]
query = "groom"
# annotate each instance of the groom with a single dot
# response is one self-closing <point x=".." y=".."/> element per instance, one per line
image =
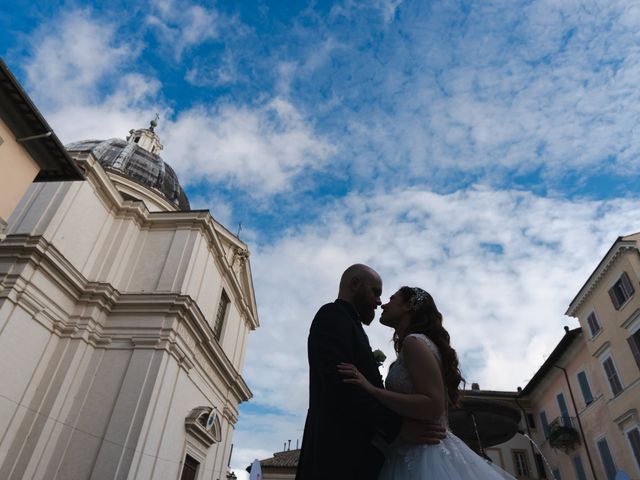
<point x="347" y="432"/>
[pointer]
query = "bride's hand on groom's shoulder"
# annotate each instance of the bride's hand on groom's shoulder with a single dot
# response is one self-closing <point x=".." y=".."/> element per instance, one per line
<point x="421" y="432"/>
<point x="354" y="377"/>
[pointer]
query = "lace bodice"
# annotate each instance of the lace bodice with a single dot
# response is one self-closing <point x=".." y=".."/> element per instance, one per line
<point x="398" y="377"/>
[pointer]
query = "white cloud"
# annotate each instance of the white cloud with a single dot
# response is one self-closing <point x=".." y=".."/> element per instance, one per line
<point x="182" y="25"/>
<point x="484" y="89"/>
<point x="79" y="74"/>
<point x="263" y="147"/>
<point x="385" y="8"/>
<point x="223" y="72"/>
<point x="218" y="206"/>
<point x="85" y="78"/>
<point x="388" y="9"/>
<point x="71" y="56"/>
<point x="502" y="266"/>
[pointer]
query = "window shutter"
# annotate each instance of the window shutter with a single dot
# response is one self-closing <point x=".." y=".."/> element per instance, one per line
<point x="634" y="341"/>
<point x="577" y="464"/>
<point x="614" y="298"/>
<point x="607" y="460"/>
<point x="634" y="440"/>
<point x="594" y="326"/>
<point x="612" y="376"/>
<point x="626" y="284"/>
<point x="564" y="411"/>
<point x="545" y="424"/>
<point x="586" y="389"/>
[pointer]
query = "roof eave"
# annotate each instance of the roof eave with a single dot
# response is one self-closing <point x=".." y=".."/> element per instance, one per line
<point x="597" y="273"/>
<point x="569" y="337"/>
<point x="25" y="120"/>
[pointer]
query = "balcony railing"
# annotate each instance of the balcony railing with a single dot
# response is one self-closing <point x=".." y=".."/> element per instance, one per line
<point x="563" y="434"/>
<point x="564" y="422"/>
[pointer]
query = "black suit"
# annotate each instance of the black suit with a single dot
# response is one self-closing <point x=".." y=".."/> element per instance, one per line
<point x="342" y="420"/>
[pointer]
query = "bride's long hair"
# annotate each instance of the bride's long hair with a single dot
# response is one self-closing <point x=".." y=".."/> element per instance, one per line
<point x="426" y="319"/>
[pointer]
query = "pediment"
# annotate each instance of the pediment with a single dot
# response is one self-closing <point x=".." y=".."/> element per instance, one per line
<point x="236" y="254"/>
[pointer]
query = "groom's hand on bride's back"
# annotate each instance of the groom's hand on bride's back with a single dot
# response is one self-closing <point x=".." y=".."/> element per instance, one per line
<point x="421" y="432"/>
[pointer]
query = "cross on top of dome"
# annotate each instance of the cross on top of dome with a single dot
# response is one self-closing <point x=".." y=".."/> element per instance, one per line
<point x="154" y="123"/>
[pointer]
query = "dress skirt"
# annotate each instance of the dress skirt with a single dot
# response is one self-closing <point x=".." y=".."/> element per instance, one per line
<point x="451" y="459"/>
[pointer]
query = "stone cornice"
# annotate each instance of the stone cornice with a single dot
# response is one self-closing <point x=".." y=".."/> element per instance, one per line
<point x="203" y="221"/>
<point x="195" y="219"/>
<point x="602" y="349"/>
<point x="132" y="187"/>
<point x="186" y="334"/>
<point x="107" y="191"/>
<point x="38" y="252"/>
<point x="619" y="248"/>
<point x="192" y="329"/>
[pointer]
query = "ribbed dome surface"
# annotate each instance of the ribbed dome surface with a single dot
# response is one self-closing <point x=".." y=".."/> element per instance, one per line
<point x="138" y="164"/>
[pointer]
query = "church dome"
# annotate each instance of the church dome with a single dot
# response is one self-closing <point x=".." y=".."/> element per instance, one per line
<point x="137" y="159"/>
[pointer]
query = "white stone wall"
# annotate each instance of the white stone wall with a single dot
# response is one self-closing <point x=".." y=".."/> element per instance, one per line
<point x="106" y="342"/>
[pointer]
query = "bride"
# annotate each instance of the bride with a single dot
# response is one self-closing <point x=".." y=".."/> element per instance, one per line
<point x="419" y="385"/>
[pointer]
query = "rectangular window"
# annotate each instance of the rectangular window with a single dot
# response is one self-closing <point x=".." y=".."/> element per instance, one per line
<point x="542" y="473"/>
<point x="579" y="468"/>
<point x="556" y="474"/>
<point x="584" y="386"/>
<point x="594" y="325"/>
<point x="612" y="376"/>
<point x="189" y="469"/>
<point x="520" y="463"/>
<point x="222" y="313"/>
<point x="621" y="291"/>
<point x="564" y="411"/>
<point x="607" y="459"/>
<point x="634" y="344"/>
<point x="633" y="436"/>
<point x="545" y="424"/>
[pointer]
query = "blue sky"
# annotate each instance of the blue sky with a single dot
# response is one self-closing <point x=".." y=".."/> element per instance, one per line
<point x="486" y="151"/>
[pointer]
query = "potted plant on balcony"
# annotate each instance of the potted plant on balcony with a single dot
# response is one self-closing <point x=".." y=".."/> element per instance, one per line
<point x="564" y="437"/>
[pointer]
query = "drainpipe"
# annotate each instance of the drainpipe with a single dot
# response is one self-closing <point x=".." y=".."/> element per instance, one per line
<point x="575" y="409"/>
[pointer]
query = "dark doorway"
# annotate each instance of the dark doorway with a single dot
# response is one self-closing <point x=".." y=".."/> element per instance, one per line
<point x="190" y="468"/>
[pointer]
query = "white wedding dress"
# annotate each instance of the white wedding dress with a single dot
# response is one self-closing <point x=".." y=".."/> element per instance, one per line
<point x="451" y="459"/>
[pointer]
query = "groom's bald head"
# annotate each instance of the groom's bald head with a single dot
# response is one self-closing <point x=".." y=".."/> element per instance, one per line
<point x="362" y="286"/>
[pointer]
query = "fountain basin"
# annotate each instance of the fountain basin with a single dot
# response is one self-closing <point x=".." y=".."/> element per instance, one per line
<point x="496" y="421"/>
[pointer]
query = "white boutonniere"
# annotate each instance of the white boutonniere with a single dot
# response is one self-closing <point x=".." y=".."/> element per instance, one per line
<point x="379" y="356"/>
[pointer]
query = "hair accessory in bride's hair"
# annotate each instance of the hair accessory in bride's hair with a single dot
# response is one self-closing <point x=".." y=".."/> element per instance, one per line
<point x="419" y="296"/>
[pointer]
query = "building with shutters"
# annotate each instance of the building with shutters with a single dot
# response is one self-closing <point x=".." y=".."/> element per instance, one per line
<point x="583" y="402"/>
<point x="608" y="309"/>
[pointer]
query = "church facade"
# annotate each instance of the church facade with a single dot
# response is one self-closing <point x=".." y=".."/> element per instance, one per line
<point x="124" y="319"/>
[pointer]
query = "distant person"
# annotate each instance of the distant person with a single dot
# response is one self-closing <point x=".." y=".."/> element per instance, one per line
<point x="420" y="384"/>
<point x="347" y="431"/>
